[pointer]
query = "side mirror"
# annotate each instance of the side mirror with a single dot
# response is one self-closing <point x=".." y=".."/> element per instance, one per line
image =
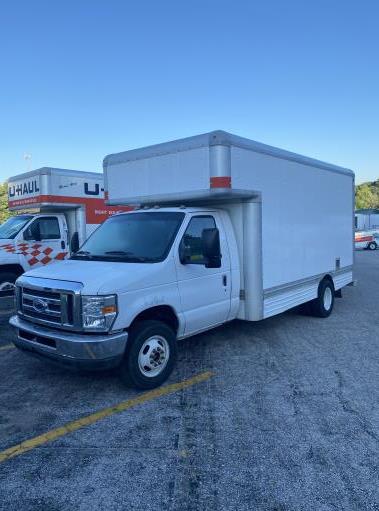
<point x="33" y="232"/>
<point x="28" y="234"/>
<point x="210" y="239"/>
<point x="184" y="253"/>
<point x="74" y="245"/>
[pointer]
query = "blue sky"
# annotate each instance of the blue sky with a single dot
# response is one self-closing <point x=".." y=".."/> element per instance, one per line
<point x="81" y="79"/>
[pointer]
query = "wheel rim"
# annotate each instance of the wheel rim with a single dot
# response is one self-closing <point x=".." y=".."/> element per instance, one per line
<point x="153" y="356"/>
<point x="328" y="298"/>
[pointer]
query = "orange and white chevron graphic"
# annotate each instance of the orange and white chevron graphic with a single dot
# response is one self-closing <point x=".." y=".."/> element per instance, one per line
<point x="33" y="253"/>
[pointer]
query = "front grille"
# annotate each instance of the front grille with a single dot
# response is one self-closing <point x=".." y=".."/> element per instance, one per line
<point x="47" y="307"/>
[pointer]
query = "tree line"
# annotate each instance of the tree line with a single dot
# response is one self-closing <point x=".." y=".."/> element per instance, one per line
<point x="4" y="211"/>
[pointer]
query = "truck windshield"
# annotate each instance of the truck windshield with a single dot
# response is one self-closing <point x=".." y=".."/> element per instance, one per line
<point x="11" y="227"/>
<point x="144" y="237"/>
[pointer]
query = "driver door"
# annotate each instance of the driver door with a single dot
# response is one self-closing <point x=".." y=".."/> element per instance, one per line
<point x="205" y="293"/>
<point x="44" y="241"/>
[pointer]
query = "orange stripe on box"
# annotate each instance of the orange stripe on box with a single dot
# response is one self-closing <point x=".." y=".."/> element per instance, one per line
<point x="96" y="209"/>
<point x="221" y="182"/>
<point x="364" y="238"/>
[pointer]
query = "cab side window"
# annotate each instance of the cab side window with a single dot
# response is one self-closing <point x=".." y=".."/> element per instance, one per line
<point x="44" y="228"/>
<point x="192" y="237"/>
<point x="49" y="228"/>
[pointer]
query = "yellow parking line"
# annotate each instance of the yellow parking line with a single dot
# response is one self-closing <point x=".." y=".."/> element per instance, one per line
<point x="37" y="441"/>
<point x="7" y="347"/>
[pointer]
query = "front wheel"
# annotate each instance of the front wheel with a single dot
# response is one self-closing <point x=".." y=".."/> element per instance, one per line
<point x="150" y="355"/>
<point x="372" y="245"/>
<point x="322" y="306"/>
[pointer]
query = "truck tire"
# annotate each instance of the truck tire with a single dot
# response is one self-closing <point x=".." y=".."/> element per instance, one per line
<point x="150" y="355"/>
<point x="7" y="279"/>
<point x="372" y="245"/>
<point x="322" y="306"/>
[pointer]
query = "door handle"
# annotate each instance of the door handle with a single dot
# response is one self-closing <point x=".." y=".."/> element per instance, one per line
<point x="63" y="244"/>
<point x="224" y="280"/>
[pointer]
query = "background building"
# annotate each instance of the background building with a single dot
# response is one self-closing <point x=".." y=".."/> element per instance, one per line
<point x="366" y="219"/>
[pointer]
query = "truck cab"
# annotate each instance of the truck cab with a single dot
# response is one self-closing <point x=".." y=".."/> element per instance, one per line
<point x="173" y="270"/>
<point x="28" y="241"/>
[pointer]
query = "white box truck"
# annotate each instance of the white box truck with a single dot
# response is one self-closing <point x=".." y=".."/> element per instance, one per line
<point x="227" y="228"/>
<point x="58" y="209"/>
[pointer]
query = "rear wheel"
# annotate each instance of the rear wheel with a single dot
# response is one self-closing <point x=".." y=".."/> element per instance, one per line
<point x="322" y="306"/>
<point x="7" y="280"/>
<point x="150" y="355"/>
<point x="372" y="245"/>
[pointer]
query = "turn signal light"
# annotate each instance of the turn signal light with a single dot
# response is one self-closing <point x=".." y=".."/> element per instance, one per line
<point x="109" y="309"/>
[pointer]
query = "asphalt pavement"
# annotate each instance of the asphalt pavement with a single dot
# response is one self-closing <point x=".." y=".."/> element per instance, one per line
<point x="288" y="420"/>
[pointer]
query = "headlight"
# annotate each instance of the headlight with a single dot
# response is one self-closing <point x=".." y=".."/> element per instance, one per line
<point x="98" y="312"/>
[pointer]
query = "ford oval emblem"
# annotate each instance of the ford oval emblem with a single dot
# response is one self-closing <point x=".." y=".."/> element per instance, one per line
<point x="40" y="305"/>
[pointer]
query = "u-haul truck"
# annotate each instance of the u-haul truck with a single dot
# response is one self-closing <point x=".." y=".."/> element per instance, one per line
<point x="58" y="209"/>
<point x="229" y="228"/>
<point x="365" y="240"/>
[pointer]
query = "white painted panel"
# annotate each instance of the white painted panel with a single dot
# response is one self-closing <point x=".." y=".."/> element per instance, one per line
<point x="56" y="182"/>
<point x="30" y="187"/>
<point x="306" y="215"/>
<point x="342" y="279"/>
<point x="289" y="298"/>
<point x="176" y="172"/>
<point x="76" y="186"/>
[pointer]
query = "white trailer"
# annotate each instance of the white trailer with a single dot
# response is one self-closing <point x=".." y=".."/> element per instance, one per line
<point x="227" y="228"/>
<point x="57" y="210"/>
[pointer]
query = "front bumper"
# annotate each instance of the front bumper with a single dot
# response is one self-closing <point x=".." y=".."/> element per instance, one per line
<point x="82" y="351"/>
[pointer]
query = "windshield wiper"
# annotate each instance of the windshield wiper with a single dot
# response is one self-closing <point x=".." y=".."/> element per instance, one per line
<point x="82" y="253"/>
<point x="119" y="252"/>
<point x="128" y="256"/>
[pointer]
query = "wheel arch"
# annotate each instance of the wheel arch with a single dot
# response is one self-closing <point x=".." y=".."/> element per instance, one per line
<point x="14" y="268"/>
<point x="328" y="278"/>
<point x="164" y="313"/>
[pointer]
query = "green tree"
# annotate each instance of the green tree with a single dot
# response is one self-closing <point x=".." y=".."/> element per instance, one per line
<point x="366" y="196"/>
<point x="4" y="211"/>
